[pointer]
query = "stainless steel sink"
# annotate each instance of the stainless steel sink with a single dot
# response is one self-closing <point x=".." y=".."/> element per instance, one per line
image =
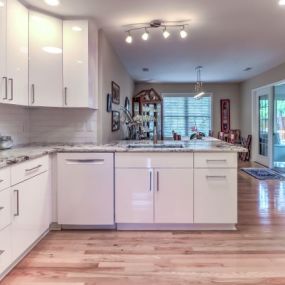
<point x="155" y="146"/>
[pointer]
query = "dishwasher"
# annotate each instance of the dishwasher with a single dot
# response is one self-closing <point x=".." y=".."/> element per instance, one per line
<point x="85" y="189"/>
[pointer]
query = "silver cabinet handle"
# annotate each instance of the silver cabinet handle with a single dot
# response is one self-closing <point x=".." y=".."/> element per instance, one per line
<point x="216" y="160"/>
<point x="85" y="161"/>
<point x="216" y="176"/>
<point x="157" y="181"/>
<point x="65" y="96"/>
<point x="33" y="93"/>
<point x="2" y="251"/>
<point x="6" y="88"/>
<point x="17" y="214"/>
<point x="34" y="168"/>
<point x="12" y="89"/>
<point x="150" y="181"/>
<point x="2" y="208"/>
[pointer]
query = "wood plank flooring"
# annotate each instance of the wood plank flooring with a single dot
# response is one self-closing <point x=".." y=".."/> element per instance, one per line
<point x="253" y="255"/>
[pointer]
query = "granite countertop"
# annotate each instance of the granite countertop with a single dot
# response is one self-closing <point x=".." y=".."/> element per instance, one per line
<point x="22" y="153"/>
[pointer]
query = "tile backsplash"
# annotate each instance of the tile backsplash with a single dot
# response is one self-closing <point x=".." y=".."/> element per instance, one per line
<point x="48" y="125"/>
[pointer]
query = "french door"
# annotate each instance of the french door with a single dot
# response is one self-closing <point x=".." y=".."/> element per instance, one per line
<point x="263" y="126"/>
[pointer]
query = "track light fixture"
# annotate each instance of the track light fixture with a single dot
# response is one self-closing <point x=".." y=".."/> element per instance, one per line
<point x="158" y="24"/>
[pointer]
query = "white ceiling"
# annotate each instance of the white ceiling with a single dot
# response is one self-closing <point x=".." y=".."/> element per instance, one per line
<point x="226" y="36"/>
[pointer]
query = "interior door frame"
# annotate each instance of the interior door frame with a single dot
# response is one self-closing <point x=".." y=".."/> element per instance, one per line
<point x="255" y="126"/>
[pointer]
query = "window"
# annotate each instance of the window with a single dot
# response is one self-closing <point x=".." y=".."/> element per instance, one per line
<point x="182" y="112"/>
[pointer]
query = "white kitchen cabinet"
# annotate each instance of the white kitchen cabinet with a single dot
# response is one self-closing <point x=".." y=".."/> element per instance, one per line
<point x="14" y="53"/>
<point x="86" y="189"/>
<point x="45" y="60"/>
<point x="80" y="64"/>
<point x="215" y="196"/>
<point x="174" y="196"/>
<point x="5" y="249"/>
<point x="32" y="212"/>
<point x="5" y="208"/>
<point x="134" y="195"/>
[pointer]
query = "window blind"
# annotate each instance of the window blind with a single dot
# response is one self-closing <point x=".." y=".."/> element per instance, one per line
<point x="182" y="113"/>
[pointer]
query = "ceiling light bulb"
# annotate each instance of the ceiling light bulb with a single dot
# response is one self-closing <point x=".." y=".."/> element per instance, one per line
<point x="281" y="2"/>
<point x="129" y="38"/>
<point x="166" y="34"/>
<point x="183" y="33"/>
<point x="145" y="35"/>
<point x="76" y="29"/>
<point x="52" y="2"/>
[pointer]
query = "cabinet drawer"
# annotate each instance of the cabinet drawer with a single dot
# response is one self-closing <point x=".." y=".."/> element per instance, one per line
<point x="28" y="169"/>
<point x="154" y="160"/>
<point x="5" y="208"/>
<point x="4" y="178"/>
<point x="215" y="160"/>
<point x="5" y="249"/>
<point x="215" y="196"/>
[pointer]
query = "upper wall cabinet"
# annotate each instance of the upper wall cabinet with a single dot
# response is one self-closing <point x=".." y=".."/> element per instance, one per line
<point x="45" y="63"/>
<point x="13" y="52"/>
<point x="80" y="64"/>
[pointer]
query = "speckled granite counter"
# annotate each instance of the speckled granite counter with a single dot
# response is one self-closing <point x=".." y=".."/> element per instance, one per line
<point x="23" y="153"/>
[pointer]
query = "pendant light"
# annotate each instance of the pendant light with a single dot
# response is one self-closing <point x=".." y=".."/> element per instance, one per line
<point x="199" y="84"/>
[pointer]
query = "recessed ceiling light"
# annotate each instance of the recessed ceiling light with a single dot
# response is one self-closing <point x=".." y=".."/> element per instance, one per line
<point x="281" y="2"/>
<point x="52" y="2"/>
<point x="52" y="50"/>
<point x="76" y="29"/>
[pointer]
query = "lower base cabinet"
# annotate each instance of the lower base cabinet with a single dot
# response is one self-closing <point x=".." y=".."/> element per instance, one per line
<point x="215" y="196"/>
<point x="32" y="212"/>
<point x="5" y="249"/>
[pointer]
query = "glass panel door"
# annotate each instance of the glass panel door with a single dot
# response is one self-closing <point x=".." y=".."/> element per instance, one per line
<point x="279" y="128"/>
<point x="263" y="125"/>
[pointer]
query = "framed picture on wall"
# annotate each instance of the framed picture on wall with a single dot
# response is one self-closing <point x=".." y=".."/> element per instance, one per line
<point x="115" y="121"/>
<point x="225" y="115"/>
<point x="115" y="93"/>
<point x="109" y="103"/>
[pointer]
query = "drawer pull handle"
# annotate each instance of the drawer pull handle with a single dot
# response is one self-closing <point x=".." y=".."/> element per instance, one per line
<point x="216" y="160"/>
<point x="34" y="168"/>
<point x="85" y="161"/>
<point x="157" y="181"/>
<point x="17" y="214"/>
<point x="1" y="180"/>
<point x="2" y="251"/>
<point x="216" y="176"/>
<point x="150" y="181"/>
<point x="2" y="208"/>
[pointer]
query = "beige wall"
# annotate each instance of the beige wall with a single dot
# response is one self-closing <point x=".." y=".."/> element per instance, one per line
<point x="274" y="75"/>
<point x="220" y="91"/>
<point x="110" y="69"/>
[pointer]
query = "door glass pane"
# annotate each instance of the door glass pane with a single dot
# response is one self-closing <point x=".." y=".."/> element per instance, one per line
<point x="279" y="127"/>
<point x="263" y="125"/>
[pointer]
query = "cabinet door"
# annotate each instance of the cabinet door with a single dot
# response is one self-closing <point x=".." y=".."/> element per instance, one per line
<point x="3" y="78"/>
<point x="75" y="63"/>
<point x="5" y="249"/>
<point x="215" y="196"/>
<point x="45" y="64"/>
<point x="87" y="196"/>
<point x="32" y="212"/>
<point x="174" y="196"/>
<point x="17" y="53"/>
<point x="134" y="195"/>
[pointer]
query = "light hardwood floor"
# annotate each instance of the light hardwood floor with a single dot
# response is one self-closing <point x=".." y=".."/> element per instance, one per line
<point x="253" y="255"/>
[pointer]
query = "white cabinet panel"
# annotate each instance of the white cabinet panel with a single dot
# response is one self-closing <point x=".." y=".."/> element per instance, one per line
<point x="5" y="208"/>
<point x="5" y="178"/>
<point x="32" y="212"/>
<point x="134" y="195"/>
<point x="174" y="195"/>
<point x="17" y="53"/>
<point x="45" y="64"/>
<point x="5" y="249"/>
<point x="86" y="189"/>
<point x="215" y="160"/>
<point x="3" y="29"/>
<point x="215" y="196"/>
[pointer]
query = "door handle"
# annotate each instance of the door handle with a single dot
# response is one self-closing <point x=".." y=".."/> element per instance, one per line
<point x="6" y="88"/>
<point x="34" y="168"/>
<point x="65" y="96"/>
<point x="17" y="214"/>
<point x="150" y="181"/>
<point x="12" y="89"/>
<point x="157" y="181"/>
<point x="33" y="93"/>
